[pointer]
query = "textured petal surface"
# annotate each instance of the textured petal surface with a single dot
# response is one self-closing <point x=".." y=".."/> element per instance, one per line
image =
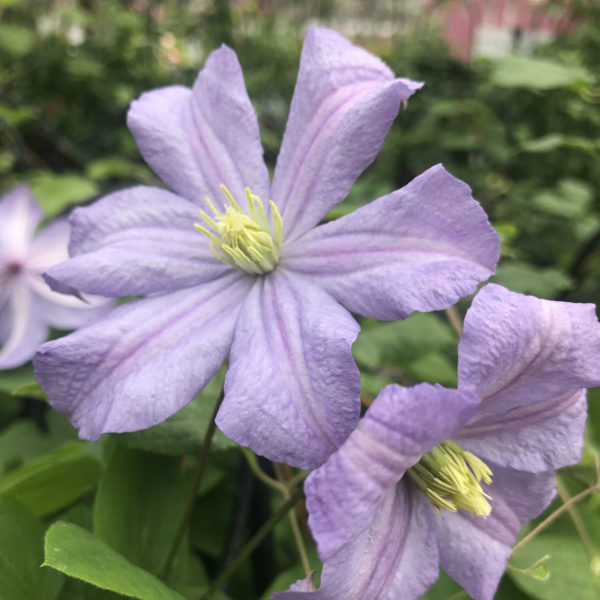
<point x="344" y="103"/>
<point x="22" y="327"/>
<point x="401" y="424"/>
<point x="145" y="361"/>
<point x="20" y="214"/>
<point x="197" y="139"/>
<point x="543" y="436"/>
<point x="65" y="311"/>
<point x="474" y="550"/>
<point x="420" y="248"/>
<point x="137" y="241"/>
<point x="292" y="389"/>
<point x="529" y="360"/>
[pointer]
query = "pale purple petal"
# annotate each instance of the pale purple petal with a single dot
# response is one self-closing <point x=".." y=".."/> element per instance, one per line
<point x="344" y="103"/>
<point x="401" y="425"/>
<point x="420" y="248"/>
<point x="50" y="246"/>
<point x="145" y="361"/>
<point x="137" y="241"/>
<point x="20" y="214"/>
<point x="23" y="328"/>
<point x="197" y="139"/>
<point x="65" y="311"/>
<point x="474" y="550"/>
<point x="519" y="351"/>
<point x="536" y="437"/>
<point x="292" y="389"/>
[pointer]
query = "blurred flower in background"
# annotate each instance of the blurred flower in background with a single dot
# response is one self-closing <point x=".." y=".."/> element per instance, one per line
<point x="27" y="305"/>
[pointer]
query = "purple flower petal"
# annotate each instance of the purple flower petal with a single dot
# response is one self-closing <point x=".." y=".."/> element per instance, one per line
<point x="474" y="550"/>
<point x="420" y="248"/>
<point x="401" y="425"/>
<point x="20" y="214"/>
<point x="145" y="361"/>
<point x="537" y="437"/>
<point x="528" y="359"/>
<point x="197" y="139"/>
<point x="344" y="103"/>
<point x="22" y="328"/>
<point x="394" y="558"/>
<point x="137" y="241"/>
<point x="292" y="389"/>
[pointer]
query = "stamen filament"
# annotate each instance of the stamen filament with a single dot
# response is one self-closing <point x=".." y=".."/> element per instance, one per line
<point x="246" y="241"/>
<point x="450" y="478"/>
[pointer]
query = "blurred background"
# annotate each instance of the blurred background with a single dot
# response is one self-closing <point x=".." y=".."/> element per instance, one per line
<point x="511" y="105"/>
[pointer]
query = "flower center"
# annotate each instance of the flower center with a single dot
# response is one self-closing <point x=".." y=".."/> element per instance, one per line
<point x="246" y="241"/>
<point x="450" y="478"/>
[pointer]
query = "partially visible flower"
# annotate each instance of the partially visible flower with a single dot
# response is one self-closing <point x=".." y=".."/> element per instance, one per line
<point x="256" y="279"/>
<point x="436" y="477"/>
<point x="27" y="305"/>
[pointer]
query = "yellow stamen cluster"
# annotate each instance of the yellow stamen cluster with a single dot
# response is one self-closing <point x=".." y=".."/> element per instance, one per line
<point x="246" y="241"/>
<point x="450" y="478"/>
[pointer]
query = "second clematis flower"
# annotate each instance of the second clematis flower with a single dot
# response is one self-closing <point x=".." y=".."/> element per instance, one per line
<point x="437" y="477"/>
<point x="233" y="265"/>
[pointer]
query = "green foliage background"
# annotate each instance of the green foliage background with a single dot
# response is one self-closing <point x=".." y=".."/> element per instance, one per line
<point x="523" y="131"/>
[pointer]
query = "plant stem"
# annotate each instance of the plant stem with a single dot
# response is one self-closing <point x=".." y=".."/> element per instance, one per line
<point x="584" y="536"/>
<point x="454" y="319"/>
<point x="252" y="544"/>
<point x="198" y="476"/>
<point x="294" y="522"/>
<point x="552" y="517"/>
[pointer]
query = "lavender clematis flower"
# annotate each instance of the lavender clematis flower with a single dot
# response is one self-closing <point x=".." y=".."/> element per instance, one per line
<point x="256" y="279"/>
<point x="384" y="525"/>
<point x="27" y="305"/>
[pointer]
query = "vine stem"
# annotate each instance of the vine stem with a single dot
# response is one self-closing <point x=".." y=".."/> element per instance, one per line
<point x="294" y="523"/>
<point x="586" y="541"/>
<point x="454" y="319"/>
<point x="198" y="476"/>
<point x="253" y="543"/>
<point x="552" y="517"/>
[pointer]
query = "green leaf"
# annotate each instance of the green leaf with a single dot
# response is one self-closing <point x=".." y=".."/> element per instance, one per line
<point x="536" y="73"/>
<point x="56" y="193"/>
<point x="80" y="554"/>
<point x="568" y="565"/>
<point x="21" y="543"/>
<point x="15" y="378"/>
<point x="139" y="503"/>
<point x="15" y="40"/>
<point x="401" y="342"/>
<point x="526" y="279"/>
<point x="31" y="390"/>
<point x="53" y="481"/>
<point x="183" y="433"/>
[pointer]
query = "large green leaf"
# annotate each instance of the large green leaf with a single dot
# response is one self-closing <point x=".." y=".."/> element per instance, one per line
<point x="402" y="342"/>
<point x="527" y="279"/>
<point x="56" y="193"/>
<point x="54" y="480"/>
<point x="139" y="503"/>
<point x="80" y="554"/>
<point x="21" y="543"/>
<point x="536" y="73"/>
<point x="183" y="433"/>
<point x="569" y="566"/>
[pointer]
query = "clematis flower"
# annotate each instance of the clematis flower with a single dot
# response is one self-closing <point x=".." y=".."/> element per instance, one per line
<point x="437" y="477"/>
<point x="233" y="265"/>
<point x="27" y="305"/>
